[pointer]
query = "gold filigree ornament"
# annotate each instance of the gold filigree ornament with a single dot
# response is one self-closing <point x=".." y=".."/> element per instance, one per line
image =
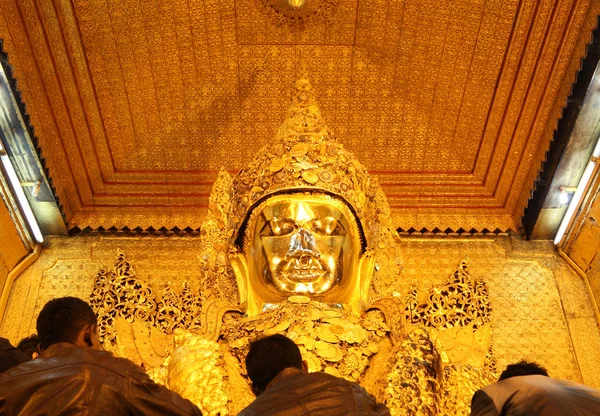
<point x="459" y="303"/>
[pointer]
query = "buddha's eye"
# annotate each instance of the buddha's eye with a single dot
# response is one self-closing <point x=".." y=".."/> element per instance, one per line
<point x="278" y="227"/>
<point x="327" y="226"/>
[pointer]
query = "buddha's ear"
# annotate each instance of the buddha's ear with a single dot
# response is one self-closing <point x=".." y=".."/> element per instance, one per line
<point x="240" y="270"/>
<point x="366" y="269"/>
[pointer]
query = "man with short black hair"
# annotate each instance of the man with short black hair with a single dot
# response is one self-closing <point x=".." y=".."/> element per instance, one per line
<point x="284" y="386"/>
<point x="525" y="388"/>
<point x="73" y="375"/>
<point x="30" y="346"/>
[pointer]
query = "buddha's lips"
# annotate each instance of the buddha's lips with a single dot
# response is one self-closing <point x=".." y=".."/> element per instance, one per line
<point x="303" y="274"/>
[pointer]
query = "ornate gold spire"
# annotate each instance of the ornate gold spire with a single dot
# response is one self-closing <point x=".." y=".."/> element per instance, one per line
<point x="305" y="156"/>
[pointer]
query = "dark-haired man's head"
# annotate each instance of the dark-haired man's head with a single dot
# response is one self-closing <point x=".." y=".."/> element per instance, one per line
<point x="268" y="357"/>
<point x="30" y="345"/>
<point x="70" y="320"/>
<point x="523" y="368"/>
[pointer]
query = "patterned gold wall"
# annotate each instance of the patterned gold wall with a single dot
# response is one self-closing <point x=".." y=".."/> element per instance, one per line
<point x="451" y="104"/>
<point x="541" y="309"/>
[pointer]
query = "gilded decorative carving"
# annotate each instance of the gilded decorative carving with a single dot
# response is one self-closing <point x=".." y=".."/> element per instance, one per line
<point x="458" y="303"/>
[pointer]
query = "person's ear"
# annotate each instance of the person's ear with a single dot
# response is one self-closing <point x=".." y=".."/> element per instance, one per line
<point x="89" y="337"/>
<point x="305" y="366"/>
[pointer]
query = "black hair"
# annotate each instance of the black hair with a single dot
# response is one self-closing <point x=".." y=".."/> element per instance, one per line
<point x="29" y="345"/>
<point x="62" y="319"/>
<point x="523" y="368"/>
<point x="268" y="357"/>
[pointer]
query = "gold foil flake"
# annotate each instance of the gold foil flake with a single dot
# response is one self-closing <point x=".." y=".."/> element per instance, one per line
<point x="299" y="150"/>
<point x="281" y="326"/>
<point x="276" y="165"/>
<point x="326" y="335"/>
<point x="239" y="343"/>
<point x="333" y="371"/>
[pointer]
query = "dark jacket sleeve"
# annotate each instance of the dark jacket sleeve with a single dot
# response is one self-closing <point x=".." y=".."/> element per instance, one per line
<point x="149" y="398"/>
<point x="483" y="405"/>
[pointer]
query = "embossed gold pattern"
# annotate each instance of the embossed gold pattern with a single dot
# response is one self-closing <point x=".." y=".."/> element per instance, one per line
<point x="137" y="106"/>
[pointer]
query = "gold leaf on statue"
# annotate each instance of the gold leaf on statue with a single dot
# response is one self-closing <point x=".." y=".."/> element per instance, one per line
<point x="299" y="299"/>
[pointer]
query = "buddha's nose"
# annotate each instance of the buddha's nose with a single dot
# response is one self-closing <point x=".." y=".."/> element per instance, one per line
<point x="303" y="244"/>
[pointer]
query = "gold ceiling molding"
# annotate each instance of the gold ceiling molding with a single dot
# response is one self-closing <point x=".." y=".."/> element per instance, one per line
<point x="452" y="107"/>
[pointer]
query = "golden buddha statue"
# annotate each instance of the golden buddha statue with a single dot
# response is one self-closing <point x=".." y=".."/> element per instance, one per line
<point x="301" y="243"/>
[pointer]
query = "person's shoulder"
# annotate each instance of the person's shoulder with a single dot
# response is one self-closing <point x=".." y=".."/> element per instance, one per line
<point x="109" y="361"/>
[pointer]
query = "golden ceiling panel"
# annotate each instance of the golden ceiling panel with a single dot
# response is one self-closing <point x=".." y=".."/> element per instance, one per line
<point x="451" y="105"/>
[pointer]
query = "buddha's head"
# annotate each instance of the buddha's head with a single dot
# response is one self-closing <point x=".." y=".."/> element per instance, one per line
<point x="302" y="243"/>
<point x="306" y="217"/>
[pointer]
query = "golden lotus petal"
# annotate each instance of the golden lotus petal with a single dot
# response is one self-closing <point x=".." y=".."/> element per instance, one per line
<point x="299" y="299"/>
<point x="302" y="339"/>
<point x="333" y="313"/>
<point x="316" y="314"/>
<point x="333" y="371"/>
<point x="336" y="322"/>
<point x="299" y="150"/>
<point x="339" y="354"/>
<point x="282" y="326"/>
<point x="310" y="343"/>
<point x="310" y="177"/>
<point x="337" y="329"/>
<point x="328" y="336"/>
<point x="322" y="345"/>
<point x="329" y="352"/>
<point x="276" y="165"/>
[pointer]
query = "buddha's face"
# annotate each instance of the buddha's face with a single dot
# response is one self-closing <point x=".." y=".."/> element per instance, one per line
<point x="302" y="244"/>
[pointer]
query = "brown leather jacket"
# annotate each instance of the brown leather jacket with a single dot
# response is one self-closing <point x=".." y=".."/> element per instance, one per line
<point x="294" y="392"/>
<point x="535" y="396"/>
<point x="70" y="380"/>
